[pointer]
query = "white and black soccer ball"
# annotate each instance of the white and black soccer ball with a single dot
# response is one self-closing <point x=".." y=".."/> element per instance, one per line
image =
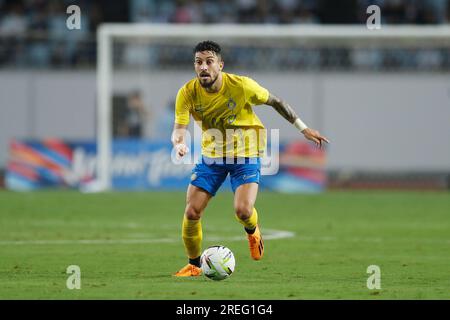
<point x="217" y="262"/>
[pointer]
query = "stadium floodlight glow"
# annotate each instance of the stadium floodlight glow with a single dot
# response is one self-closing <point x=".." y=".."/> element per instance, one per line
<point x="318" y="34"/>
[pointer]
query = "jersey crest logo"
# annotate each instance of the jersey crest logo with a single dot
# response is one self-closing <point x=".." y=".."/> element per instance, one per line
<point x="231" y="104"/>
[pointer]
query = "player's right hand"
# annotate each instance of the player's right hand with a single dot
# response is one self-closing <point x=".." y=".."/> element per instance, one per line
<point x="181" y="149"/>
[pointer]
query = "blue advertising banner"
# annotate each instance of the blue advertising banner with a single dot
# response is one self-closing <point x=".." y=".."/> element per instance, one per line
<point x="145" y="165"/>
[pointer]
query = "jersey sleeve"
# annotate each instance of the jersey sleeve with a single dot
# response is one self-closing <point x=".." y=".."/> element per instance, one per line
<point x="182" y="107"/>
<point x="254" y="93"/>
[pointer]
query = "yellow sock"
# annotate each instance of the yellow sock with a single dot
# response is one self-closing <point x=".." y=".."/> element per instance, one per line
<point x="251" y="222"/>
<point x="192" y="237"/>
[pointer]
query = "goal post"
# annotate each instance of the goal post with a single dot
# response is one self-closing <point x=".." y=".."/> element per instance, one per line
<point x="353" y="35"/>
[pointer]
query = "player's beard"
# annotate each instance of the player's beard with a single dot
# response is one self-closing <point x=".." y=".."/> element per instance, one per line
<point x="208" y="84"/>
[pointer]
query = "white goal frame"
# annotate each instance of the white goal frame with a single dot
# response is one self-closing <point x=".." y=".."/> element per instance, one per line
<point x="106" y="34"/>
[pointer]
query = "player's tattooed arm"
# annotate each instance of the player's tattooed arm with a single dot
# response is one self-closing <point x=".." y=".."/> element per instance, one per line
<point x="282" y="108"/>
<point x="289" y="114"/>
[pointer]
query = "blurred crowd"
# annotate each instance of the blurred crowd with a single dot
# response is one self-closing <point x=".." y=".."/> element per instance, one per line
<point x="33" y="33"/>
<point x="287" y="11"/>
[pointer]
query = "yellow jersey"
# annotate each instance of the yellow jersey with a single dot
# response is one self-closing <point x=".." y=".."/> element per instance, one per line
<point x="230" y="128"/>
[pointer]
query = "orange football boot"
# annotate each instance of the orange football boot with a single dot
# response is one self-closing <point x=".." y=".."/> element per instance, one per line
<point x="256" y="244"/>
<point x="189" y="271"/>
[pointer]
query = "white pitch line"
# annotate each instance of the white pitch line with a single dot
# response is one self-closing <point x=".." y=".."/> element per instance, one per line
<point x="268" y="235"/>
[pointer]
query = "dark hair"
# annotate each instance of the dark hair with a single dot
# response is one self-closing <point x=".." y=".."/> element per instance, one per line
<point x="208" y="45"/>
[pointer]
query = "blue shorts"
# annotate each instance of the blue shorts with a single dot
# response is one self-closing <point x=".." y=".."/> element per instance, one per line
<point x="210" y="173"/>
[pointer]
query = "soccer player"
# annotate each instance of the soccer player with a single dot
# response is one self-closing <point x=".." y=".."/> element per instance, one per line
<point x="221" y="101"/>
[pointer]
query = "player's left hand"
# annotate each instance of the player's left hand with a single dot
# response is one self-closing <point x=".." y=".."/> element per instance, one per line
<point x="315" y="137"/>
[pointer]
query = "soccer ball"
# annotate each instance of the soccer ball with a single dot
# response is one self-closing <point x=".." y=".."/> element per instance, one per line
<point x="217" y="262"/>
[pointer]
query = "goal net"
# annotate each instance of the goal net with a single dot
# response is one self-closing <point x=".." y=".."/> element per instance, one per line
<point x="370" y="91"/>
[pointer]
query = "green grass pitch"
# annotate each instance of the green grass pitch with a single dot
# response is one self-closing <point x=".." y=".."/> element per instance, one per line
<point x="127" y="245"/>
